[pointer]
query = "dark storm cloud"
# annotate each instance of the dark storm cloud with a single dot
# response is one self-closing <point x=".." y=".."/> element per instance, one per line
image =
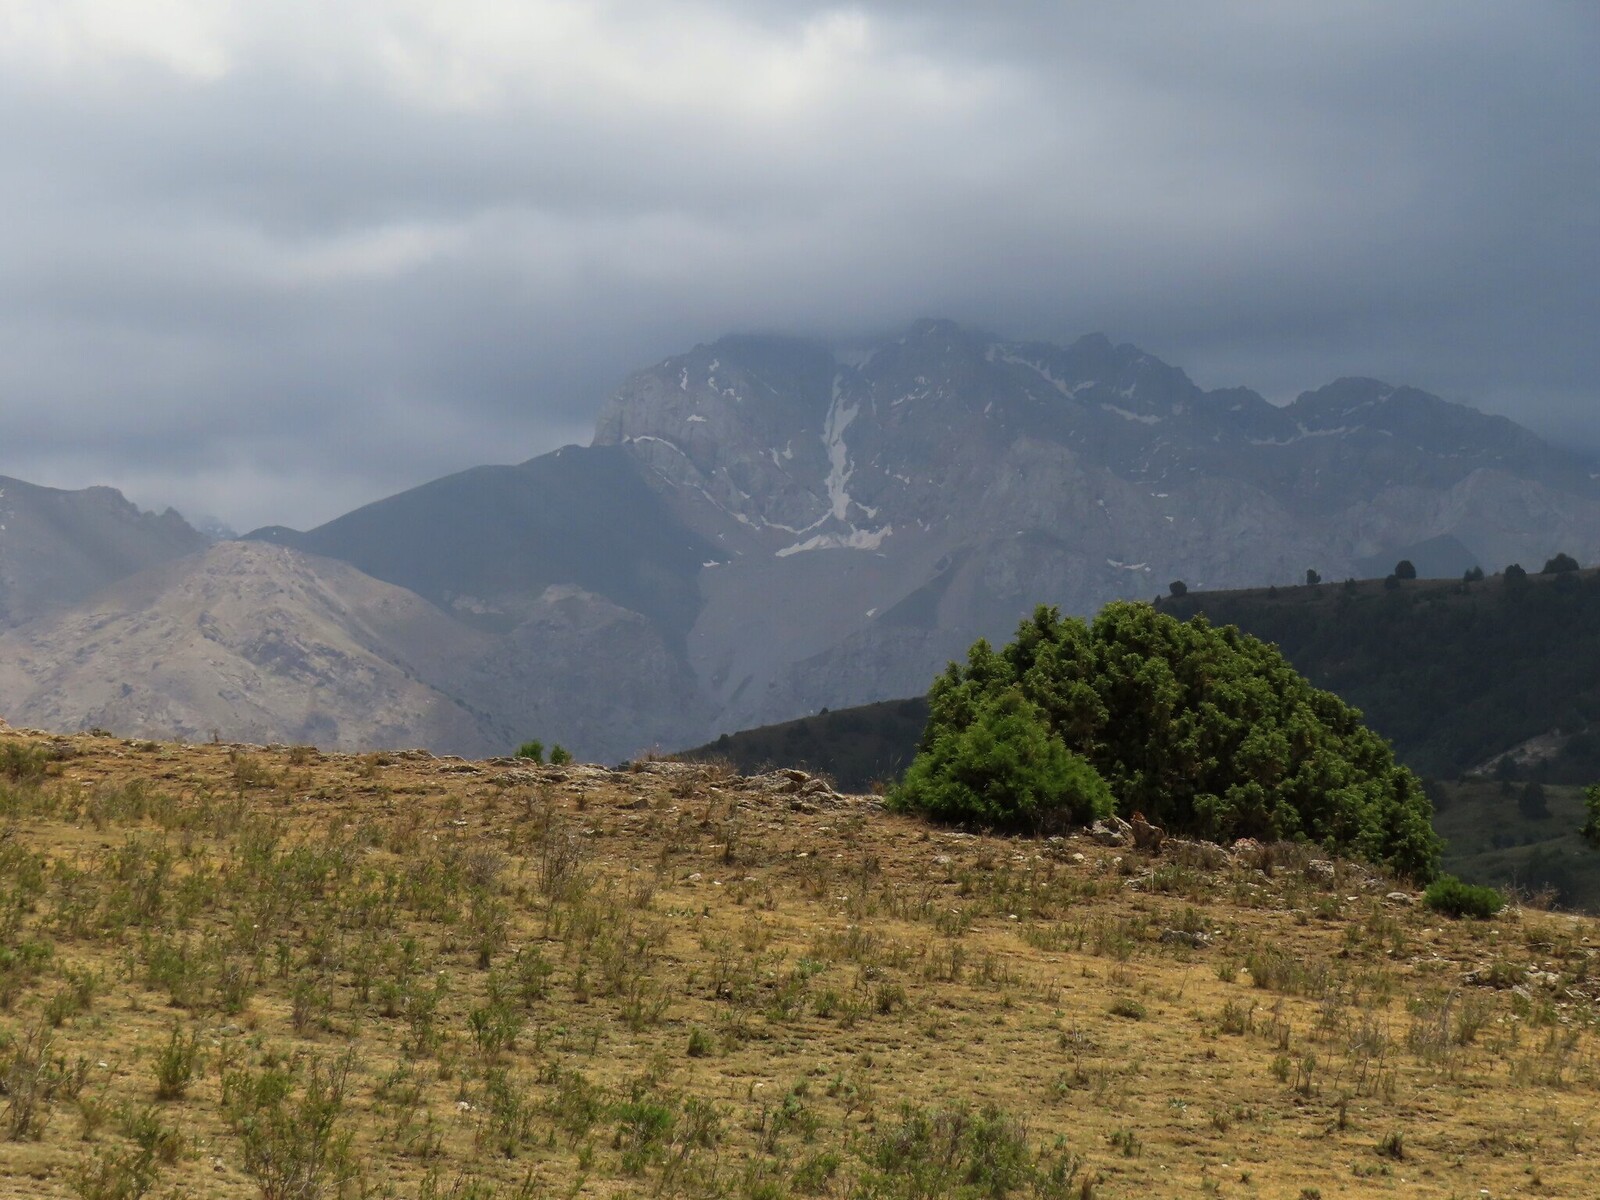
<point x="270" y="264"/>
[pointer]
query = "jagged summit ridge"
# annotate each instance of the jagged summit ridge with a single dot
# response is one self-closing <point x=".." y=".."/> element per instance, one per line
<point x="830" y="451"/>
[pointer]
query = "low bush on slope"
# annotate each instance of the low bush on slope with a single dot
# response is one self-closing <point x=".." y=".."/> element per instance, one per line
<point x="1204" y="730"/>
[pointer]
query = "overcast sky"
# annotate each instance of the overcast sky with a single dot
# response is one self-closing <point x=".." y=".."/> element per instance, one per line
<point x="271" y="260"/>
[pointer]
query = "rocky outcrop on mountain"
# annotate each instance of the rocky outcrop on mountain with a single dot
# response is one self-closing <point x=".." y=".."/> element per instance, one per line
<point x="59" y="547"/>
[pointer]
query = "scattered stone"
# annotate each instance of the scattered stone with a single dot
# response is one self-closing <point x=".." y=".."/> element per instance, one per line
<point x="1183" y="937"/>
<point x="794" y="783"/>
<point x="1145" y="835"/>
<point x="1113" y="831"/>
<point x="1322" y="870"/>
<point x="1399" y="898"/>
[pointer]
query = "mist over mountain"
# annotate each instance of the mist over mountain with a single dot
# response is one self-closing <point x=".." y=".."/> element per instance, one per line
<point x="763" y="527"/>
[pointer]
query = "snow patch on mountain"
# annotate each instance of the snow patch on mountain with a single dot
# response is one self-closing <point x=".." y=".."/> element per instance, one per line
<point x="856" y="539"/>
<point x="1069" y="390"/>
<point x="1142" y="418"/>
<point x="643" y="438"/>
<point x="840" y="414"/>
<point x="1304" y="433"/>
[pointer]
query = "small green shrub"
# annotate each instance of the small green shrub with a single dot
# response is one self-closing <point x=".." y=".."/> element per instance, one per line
<point x="126" y="1174"/>
<point x="20" y="965"/>
<point x="288" y="1121"/>
<point x="1591" y="808"/>
<point x="1129" y="1008"/>
<point x="495" y="1027"/>
<point x="1127" y="1142"/>
<point x="814" y="1176"/>
<point x="1451" y="896"/>
<point x="964" y="1153"/>
<point x="32" y="1077"/>
<point x="533" y="750"/>
<point x="175" y="1064"/>
<point x="21" y="763"/>
<point x="560" y="754"/>
<point x="1003" y="770"/>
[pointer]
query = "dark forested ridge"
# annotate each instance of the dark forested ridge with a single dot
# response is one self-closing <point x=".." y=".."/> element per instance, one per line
<point x="859" y="748"/>
<point x="1452" y="673"/>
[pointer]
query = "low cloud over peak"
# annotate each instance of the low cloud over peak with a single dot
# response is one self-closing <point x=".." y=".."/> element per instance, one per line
<point x="270" y="261"/>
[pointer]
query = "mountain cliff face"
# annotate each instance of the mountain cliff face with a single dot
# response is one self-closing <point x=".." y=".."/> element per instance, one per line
<point x="874" y="514"/>
<point x="762" y="528"/>
<point x="59" y="547"/>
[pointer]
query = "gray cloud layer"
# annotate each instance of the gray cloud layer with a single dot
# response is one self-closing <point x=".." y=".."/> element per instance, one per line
<point x="271" y="261"/>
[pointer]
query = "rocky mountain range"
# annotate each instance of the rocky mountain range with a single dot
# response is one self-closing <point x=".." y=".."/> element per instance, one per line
<point x="763" y="527"/>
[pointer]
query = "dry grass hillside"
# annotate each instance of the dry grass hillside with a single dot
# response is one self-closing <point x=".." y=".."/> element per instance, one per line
<point x="236" y="971"/>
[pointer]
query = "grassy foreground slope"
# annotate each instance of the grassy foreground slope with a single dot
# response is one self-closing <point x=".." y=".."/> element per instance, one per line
<point x="234" y="971"/>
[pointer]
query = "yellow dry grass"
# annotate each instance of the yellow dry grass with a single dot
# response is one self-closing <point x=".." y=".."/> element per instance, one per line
<point x="675" y="982"/>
